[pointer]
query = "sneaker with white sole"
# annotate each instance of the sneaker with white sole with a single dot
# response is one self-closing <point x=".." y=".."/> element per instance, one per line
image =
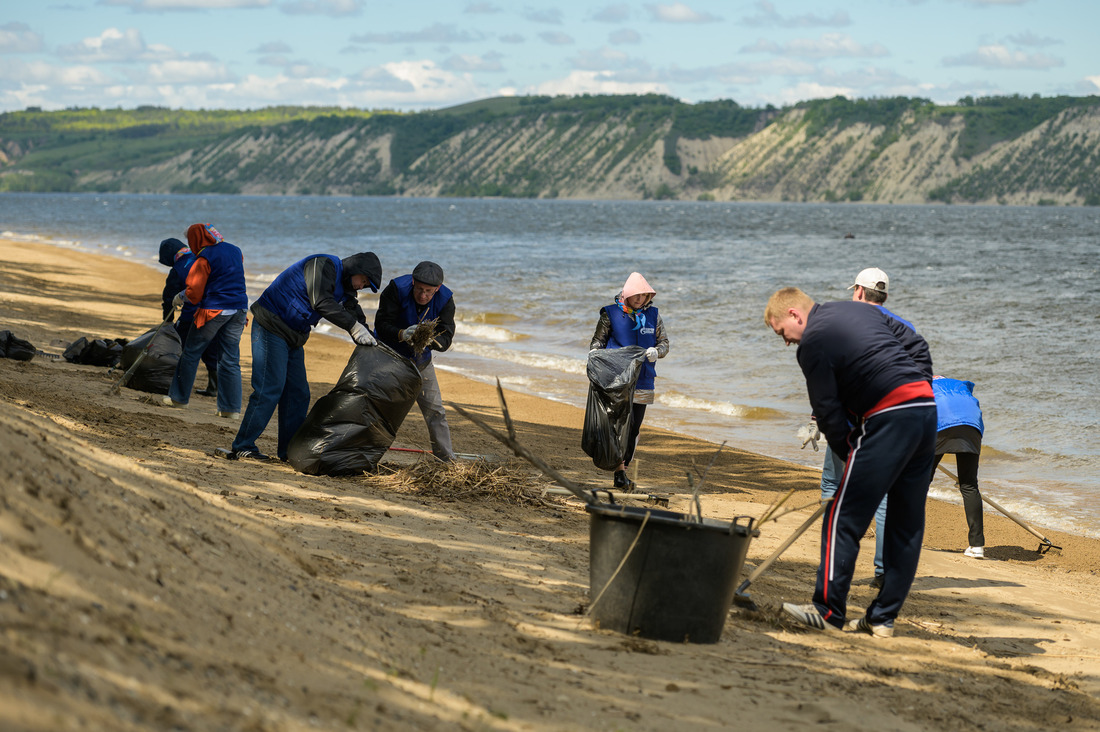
<point x="808" y="615"/>
<point x="170" y="402"/>
<point x="235" y="416"/>
<point x="878" y="630"/>
<point x="975" y="552"/>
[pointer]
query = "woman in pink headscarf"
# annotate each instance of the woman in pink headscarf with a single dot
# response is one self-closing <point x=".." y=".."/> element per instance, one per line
<point x="632" y="320"/>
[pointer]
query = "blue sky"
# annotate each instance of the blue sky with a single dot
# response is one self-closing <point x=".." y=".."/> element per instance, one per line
<point x="411" y="55"/>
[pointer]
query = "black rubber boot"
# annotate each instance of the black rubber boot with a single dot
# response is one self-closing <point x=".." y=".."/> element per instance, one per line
<point x="623" y="482"/>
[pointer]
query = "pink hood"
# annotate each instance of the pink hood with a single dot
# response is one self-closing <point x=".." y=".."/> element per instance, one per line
<point x="636" y="285"/>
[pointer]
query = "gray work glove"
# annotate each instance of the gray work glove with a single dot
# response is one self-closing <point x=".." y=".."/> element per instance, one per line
<point x="651" y="354"/>
<point x="809" y="434"/>
<point x="179" y="299"/>
<point x="408" y="333"/>
<point x="361" y="334"/>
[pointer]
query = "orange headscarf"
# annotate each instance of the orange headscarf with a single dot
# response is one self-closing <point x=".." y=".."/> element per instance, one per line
<point x="202" y="235"/>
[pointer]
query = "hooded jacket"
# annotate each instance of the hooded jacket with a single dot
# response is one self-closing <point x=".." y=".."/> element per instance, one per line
<point x="643" y="327"/>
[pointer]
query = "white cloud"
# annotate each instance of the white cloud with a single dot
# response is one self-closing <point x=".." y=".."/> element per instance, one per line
<point x="115" y="46"/>
<point x="40" y="72"/>
<point x="435" y="33"/>
<point x="678" y="13"/>
<point x="624" y="36"/>
<point x="331" y="8"/>
<point x="599" y="60"/>
<point x="19" y="38"/>
<point x="1000" y="57"/>
<point x="556" y="38"/>
<point x="472" y="62"/>
<point x="830" y="45"/>
<point x="160" y="6"/>
<point x="1029" y="38"/>
<point x="594" y="82"/>
<point x="619" y="13"/>
<point x="807" y="90"/>
<point x="768" y="16"/>
<point x="550" y="16"/>
<point x="184" y="71"/>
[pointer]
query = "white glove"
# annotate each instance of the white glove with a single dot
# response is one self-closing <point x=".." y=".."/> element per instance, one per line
<point x="651" y="354"/>
<point x="361" y="334"/>
<point x="408" y="333"/>
<point x="178" y="300"/>
<point x="809" y="434"/>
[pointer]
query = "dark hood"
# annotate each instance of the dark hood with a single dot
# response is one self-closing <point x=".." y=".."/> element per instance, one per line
<point x="168" y="249"/>
<point x="364" y="263"/>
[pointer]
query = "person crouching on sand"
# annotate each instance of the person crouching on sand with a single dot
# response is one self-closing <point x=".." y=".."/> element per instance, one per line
<point x="633" y="320"/>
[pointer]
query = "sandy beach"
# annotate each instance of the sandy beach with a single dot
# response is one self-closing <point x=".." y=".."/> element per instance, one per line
<point x="147" y="585"/>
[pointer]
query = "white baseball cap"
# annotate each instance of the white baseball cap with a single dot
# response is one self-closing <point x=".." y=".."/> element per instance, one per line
<point x="872" y="278"/>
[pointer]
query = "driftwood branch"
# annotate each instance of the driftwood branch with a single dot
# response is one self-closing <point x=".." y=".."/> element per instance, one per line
<point x="519" y="450"/>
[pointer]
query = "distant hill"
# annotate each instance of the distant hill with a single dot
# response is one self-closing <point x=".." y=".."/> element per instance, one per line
<point x="1007" y="150"/>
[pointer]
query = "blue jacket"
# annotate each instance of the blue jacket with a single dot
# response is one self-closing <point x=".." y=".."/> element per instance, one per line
<point x="288" y="298"/>
<point x="225" y="288"/>
<point x="407" y="315"/>
<point x="623" y="333"/>
<point x="853" y="356"/>
<point x="956" y="404"/>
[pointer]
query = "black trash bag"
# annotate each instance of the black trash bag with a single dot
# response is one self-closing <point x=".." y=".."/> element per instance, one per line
<point x="96" y="352"/>
<point x="349" y="430"/>
<point x="612" y="375"/>
<point x="154" y="373"/>
<point x="16" y="348"/>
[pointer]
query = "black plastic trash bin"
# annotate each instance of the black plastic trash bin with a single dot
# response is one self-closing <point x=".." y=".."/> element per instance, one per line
<point x="678" y="581"/>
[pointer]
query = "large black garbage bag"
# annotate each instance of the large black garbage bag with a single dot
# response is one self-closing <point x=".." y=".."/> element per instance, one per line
<point x="612" y="375"/>
<point x="154" y="373"/>
<point x="349" y="430"/>
<point x="17" y="348"/>
<point x="95" y="352"/>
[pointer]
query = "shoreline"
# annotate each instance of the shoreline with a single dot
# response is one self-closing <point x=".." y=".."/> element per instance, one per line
<point x="148" y="585"/>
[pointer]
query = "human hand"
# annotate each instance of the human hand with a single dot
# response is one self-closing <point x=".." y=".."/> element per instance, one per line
<point x="178" y="300"/>
<point x="407" y="334"/>
<point x="809" y="434"/>
<point x="361" y="335"/>
<point x="651" y="354"/>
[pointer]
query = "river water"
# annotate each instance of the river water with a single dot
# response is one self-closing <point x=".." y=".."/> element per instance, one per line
<point x="1007" y="297"/>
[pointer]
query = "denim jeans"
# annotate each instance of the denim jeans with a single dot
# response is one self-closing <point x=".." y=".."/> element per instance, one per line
<point x="830" y="479"/>
<point x="210" y="355"/>
<point x="278" y="381"/>
<point x="227" y="329"/>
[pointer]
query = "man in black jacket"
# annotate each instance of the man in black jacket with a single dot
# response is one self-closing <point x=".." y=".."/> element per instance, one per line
<point x="406" y="302"/>
<point x="866" y="369"/>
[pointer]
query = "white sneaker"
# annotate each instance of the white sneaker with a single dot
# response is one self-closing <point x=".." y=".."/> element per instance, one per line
<point x="808" y="615"/>
<point x="975" y="552"/>
<point x="235" y="416"/>
<point x="170" y="402"/>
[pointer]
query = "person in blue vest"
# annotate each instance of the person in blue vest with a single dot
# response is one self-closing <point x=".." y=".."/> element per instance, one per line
<point x="872" y="286"/>
<point x="178" y="257"/>
<point x="318" y="286"/>
<point x="960" y="428"/>
<point x="215" y="286"/>
<point x="633" y="320"/>
<point x="406" y="301"/>
<point x="868" y="378"/>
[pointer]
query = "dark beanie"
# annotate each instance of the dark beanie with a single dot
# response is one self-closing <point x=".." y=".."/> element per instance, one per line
<point x="168" y="249"/>
<point x="428" y="273"/>
<point x="363" y="263"/>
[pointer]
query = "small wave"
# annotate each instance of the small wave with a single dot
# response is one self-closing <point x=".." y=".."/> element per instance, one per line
<point x="492" y="318"/>
<point x="549" y="361"/>
<point x="487" y="332"/>
<point x="726" y="409"/>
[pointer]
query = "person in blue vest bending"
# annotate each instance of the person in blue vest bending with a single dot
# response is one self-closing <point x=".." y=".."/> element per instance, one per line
<point x="872" y="286"/>
<point x="178" y="257"/>
<point x="407" y="301"/>
<point x="633" y="320"/>
<point x="960" y="428"/>
<point x="215" y="286"/>
<point x="319" y="286"/>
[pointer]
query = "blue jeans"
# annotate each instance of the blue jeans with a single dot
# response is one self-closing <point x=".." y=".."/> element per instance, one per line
<point x="830" y="479"/>
<point x="227" y="329"/>
<point x="278" y="381"/>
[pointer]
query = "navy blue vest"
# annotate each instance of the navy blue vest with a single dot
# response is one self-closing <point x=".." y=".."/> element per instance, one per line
<point x="225" y="289"/>
<point x="624" y="334"/>
<point x="404" y="285"/>
<point x="287" y="296"/>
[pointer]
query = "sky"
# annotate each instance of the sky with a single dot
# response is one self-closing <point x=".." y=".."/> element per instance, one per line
<point x="412" y="55"/>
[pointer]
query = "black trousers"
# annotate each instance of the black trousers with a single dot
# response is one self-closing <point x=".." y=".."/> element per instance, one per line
<point x="967" y="463"/>
<point x="637" y="414"/>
